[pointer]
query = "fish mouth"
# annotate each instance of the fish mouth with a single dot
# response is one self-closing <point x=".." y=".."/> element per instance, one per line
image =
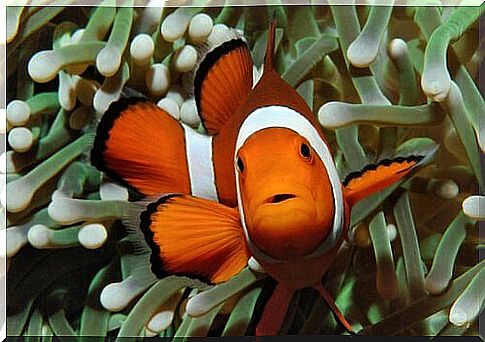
<point x="279" y="198"/>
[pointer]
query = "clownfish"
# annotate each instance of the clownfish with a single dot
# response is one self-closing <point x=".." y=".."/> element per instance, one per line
<point x="262" y="183"/>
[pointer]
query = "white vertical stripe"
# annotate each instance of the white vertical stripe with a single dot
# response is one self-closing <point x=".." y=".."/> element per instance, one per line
<point x="284" y="117"/>
<point x="199" y="161"/>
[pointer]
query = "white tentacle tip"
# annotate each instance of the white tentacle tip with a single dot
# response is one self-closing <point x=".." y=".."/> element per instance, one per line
<point x="16" y="239"/>
<point x="197" y="305"/>
<point x="361" y="55"/>
<point x="160" y="321"/>
<point x="157" y="79"/>
<point x="189" y="114"/>
<point x="200" y="27"/>
<point x="39" y="236"/>
<point x="437" y="90"/>
<point x="474" y="207"/>
<point x="111" y="298"/>
<point x="112" y="191"/>
<point x="328" y="115"/>
<point x="108" y="61"/>
<point x="219" y="34"/>
<point x="391" y="232"/>
<point x="255" y="266"/>
<point x="63" y="210"/>
<point x="141" y="49"/>
<point x="44" y="66"/>
<point x="18" y="112"/>
<point x="92" y="236"/>
<point x="170" y="106"/>
<point x="174" y="93"/>
<point x="114" y="297"/>
<point x="397" y="48"/>
<point x="21" y="139"/>
<point x="174" y="25"/>
<point x="185" y="59"/>
<point x="447" y="189"/>
<point x="458" y="316"/>
<point x="77" y="35"/>
<point x="20" y="195"/>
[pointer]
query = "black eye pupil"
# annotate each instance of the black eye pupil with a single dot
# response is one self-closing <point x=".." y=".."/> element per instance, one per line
<point x="240" y="164"/>
<point x="305" y="150"/>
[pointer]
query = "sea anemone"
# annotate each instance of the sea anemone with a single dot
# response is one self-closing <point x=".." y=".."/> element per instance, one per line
<point x="382" y="81"/>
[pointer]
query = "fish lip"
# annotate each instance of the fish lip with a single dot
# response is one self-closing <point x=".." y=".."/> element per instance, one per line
<point x="279" y="198"/>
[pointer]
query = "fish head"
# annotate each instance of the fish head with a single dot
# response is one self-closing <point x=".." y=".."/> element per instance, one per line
<point x="285" y="193"/>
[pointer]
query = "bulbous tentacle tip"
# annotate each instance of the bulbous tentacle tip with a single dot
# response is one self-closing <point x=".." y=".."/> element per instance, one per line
<point x="458" y="317"/>
<point x="438" y="91"/>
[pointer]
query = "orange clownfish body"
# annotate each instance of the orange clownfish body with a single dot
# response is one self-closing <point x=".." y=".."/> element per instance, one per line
<point x="261" y="184"/>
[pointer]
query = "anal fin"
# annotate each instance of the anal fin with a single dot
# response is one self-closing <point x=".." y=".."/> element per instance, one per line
<point x="275" y="311"/>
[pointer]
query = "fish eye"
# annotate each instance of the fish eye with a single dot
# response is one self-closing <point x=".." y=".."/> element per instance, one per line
<point x="305" y="151"/>
<point x="240" y="164"/>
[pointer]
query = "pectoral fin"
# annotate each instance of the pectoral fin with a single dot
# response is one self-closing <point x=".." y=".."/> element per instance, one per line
<point x="375" y="177"/>
<point x="195" y="237"/>
<point x="141" y="145"/>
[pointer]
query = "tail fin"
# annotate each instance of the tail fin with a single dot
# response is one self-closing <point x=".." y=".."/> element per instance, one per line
<point x="268" y="59"/>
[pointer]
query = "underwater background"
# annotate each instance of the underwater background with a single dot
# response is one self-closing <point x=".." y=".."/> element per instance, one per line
<point x="382" y="81"/>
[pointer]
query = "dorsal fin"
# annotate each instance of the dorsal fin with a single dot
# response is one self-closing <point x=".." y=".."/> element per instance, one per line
<point x="268" y="59"/>
<point x="222" y="83"/>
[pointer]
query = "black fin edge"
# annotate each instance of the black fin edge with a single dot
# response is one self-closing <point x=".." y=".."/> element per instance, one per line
<point x="157" y="266"/>
<point x="102" y="135"/>
<point x="384" y="162"/>
<point x="207" y="63"/>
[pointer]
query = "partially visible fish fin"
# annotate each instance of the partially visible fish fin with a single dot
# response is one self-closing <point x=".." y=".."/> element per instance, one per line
<point x="194" y="237"/>
<point x="336" y="311"/>
<point x="139" y="144"/>
<point x="275" y="311"/>
<point x="375" y="177"/>
<point x="270" y="45"/>
<point x="222" y="83"/>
